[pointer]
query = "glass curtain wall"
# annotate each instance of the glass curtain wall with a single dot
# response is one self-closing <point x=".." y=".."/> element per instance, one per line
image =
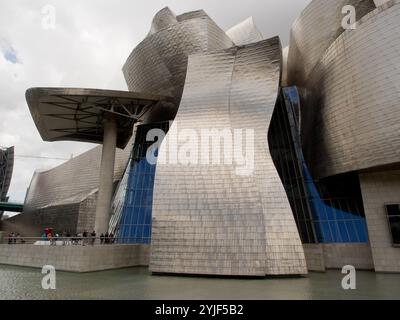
<point x="326" y="211"/>
<point x="133" y="201"/>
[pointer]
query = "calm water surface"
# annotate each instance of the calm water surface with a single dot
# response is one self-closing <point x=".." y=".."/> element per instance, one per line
<point x="138" y="283"/>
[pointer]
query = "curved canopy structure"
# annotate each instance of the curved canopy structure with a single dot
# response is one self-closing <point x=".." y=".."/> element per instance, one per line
<point x="79" y="114"/>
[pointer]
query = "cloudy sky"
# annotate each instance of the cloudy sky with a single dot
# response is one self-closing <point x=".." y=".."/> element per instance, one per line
<point x="87" y="48"/>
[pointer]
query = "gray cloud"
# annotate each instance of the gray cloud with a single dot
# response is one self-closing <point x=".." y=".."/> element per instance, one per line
<point x="91" y="41"/>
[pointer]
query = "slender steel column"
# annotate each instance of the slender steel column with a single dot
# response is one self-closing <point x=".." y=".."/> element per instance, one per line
<point x="106" y="176"/>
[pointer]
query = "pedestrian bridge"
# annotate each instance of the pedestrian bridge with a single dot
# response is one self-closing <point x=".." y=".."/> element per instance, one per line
<point x="11" y="207"/>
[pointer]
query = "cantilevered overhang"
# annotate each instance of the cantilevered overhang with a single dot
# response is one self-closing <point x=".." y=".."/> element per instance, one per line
<point x="78" y="114"/>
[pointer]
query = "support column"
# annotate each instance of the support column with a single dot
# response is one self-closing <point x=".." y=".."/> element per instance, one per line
<point x="103" y="208"/>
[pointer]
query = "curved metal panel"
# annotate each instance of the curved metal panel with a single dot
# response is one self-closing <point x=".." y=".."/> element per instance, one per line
<point x="314" y="31"/>
<point x="163" y="19"/>
<point x="206" y="218"/>
<point x="72" y="181"/>
<point x="355" y="103"/>
<point x="245" y="32"/>
<point x="158" y="64"/>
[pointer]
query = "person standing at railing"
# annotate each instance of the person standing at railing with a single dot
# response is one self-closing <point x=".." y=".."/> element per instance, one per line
<point x="93" y="239"/>
<point x="84" y="235"/>
<point x="11" y="238"/>
<point x="102" y="238"/>
<point x="106" y="238"/>
<point x="50" y="238"/>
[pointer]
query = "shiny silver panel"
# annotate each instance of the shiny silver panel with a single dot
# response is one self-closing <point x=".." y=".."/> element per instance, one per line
<point x="245" y="32"/>
<point x="158" y="64"/>
<point x="206" y="218"/>
<point x="314" y="31"/>
<point x="352" y="120"/>
<point x="72" y="181"/>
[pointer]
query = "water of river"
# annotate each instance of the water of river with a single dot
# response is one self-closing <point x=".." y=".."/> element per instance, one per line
<point x="138" y="283"/>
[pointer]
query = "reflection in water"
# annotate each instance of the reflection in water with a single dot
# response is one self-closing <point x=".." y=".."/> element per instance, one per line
<point x="137" y="283"/>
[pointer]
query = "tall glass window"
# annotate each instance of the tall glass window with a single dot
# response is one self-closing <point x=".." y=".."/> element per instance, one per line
<point x="393" y="216"/>
<point x="133" y="202"/>
<point x="326" y="211"/>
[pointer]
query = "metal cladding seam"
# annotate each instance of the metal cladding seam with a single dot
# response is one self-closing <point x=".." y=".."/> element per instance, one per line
<point x="355" y="98"/>
<point x="207" y="219"/>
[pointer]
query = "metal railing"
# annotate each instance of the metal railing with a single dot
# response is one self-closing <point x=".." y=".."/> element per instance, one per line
<point x="71" y="241"/>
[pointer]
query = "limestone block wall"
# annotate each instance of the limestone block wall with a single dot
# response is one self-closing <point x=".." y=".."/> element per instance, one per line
<point x="378" y="189"/>
<point x="321" y="257"/>
<point x="336" y="256"/>
<point x="315" y="257"/>
<point x="75" y="258"/>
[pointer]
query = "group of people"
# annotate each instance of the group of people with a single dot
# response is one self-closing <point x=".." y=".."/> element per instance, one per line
<point x="82" y="238"/>
<point x="107" y="238"/>
<point x="15" y="238"/>
<point x="66" y="238"/>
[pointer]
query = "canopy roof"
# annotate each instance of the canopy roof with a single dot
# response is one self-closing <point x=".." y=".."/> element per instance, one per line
<point x="78" y="114"/>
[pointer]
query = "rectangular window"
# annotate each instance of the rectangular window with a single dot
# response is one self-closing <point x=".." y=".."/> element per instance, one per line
<point x="393" y="216"/>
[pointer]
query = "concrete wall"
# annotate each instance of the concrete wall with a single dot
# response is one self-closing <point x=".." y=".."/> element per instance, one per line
<point x="315" y="257"/>
<point x="378" y="189"/>
<point x="335" y="256"/>
<point x="76" y="258"/>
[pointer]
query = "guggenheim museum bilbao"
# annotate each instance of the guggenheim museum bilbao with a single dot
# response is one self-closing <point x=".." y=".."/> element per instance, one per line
<point x="312" y="131"/>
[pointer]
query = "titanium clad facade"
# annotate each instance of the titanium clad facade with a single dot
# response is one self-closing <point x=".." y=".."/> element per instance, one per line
<point x="250" y="168"/>
<point x="353" y="115"/>
<point x="245" y="32"/>
<point x="207" y="219"/>
<point x="74" y="178"/>
<point x="158" y="64"/>
<point x="65" y="197"/>
<point x="314" y="31"/>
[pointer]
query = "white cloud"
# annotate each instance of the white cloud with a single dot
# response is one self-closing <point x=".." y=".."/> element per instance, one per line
<point x="91" y="41"/>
